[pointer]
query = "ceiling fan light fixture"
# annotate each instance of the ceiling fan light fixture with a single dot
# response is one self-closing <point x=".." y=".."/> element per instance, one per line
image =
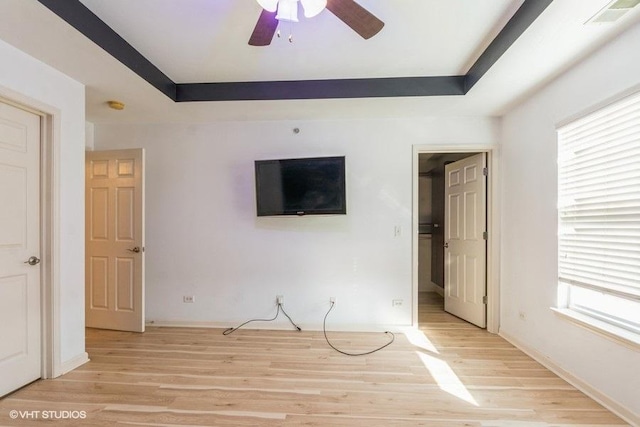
<point x="268" y="5"/>
<point x="287" y="10"/>
<point x="313" y="7"/>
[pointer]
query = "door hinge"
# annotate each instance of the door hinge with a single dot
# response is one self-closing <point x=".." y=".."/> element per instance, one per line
<point x="485" y="235"/>
<point x="484" y="299"/>
<point x="485" y="171"/>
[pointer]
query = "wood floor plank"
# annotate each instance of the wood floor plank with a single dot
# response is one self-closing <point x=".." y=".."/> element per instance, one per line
<point x="455" y="374"/>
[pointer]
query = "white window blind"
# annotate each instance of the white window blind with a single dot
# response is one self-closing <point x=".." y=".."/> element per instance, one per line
<point x="599" y="211"/>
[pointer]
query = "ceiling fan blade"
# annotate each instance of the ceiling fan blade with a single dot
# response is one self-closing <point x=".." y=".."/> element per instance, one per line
<point x="264" y="30"/>
<point x="357" y="17"/>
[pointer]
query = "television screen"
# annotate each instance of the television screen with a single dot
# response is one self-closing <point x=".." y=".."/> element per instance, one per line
<point x="312" y="186"/>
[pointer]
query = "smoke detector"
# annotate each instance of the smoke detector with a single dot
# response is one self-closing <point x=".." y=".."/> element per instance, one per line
<point x="613" y="11"/>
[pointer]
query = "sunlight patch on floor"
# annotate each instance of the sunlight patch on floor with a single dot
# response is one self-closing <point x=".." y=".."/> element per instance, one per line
<point x="446" y="379"/>
<point x="420" y="340"/>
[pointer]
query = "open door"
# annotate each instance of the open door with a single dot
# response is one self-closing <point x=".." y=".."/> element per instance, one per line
<point x="115" y="240"/>
<point x="465" y="245"/>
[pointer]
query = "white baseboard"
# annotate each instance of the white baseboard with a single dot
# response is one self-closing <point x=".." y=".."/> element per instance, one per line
<point x="70" y="365"/>
<point x="618" y="409"/>
<point x="189" y="324"/>
<point x="280" y="326"/>
<point x="437" y="289"/>
<point x="432" y="287"/>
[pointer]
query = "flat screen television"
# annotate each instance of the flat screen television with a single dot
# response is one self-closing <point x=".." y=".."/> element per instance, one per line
<point x="309" y="186"/>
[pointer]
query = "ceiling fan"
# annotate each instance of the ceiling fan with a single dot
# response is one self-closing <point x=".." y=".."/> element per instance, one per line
<point x="351" y="13"/>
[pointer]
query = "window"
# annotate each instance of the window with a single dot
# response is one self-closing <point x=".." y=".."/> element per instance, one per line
<point x="599" y="215"/>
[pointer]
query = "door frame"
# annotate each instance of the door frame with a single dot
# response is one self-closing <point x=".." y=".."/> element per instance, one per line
<point x="49" y="225"/>
<point x="493" y="225"/>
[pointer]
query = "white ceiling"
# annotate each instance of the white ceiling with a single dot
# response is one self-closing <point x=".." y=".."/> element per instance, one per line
<point x="206" y="40"/>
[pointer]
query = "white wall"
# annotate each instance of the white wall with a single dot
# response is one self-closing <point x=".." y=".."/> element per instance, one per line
<point x="204" y="239"/>
<point x="89" y="138"/>
<point x="28" y="81"/>
<point x="529" y="225"/>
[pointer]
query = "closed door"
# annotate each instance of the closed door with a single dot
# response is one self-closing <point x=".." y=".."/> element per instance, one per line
<point x="465" y="245"/>
<point x="115" y="240"/>
<point x="20" y="332"/>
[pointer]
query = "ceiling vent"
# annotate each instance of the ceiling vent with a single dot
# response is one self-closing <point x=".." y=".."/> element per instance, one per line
<point x="613" y="11"/>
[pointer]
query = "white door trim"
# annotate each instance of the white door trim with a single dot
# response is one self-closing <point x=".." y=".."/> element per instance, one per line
<point x="493" y="228"/>
<point x="50" y="224"/>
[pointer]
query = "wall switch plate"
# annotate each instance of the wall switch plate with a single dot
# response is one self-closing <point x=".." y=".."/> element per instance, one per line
<point x="189" y="299"/>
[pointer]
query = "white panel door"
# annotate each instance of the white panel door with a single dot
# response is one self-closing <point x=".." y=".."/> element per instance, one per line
<point x="20" y="332"/>
<point x="465" y="251"/>
<point x="115" y="240"/>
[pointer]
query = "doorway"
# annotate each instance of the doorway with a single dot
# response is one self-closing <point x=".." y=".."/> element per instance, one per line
<point x="429" y="229"/>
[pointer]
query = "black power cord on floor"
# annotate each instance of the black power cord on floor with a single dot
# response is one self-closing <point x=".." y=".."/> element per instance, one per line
<point x="280" y="308"/>
<point x="324" y="329"/>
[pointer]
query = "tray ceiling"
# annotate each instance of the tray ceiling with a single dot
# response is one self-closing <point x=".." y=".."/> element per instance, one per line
<point x="420" y="64"/>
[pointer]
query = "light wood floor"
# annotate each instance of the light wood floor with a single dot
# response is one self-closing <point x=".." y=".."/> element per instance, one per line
<point x="452" y="375"/>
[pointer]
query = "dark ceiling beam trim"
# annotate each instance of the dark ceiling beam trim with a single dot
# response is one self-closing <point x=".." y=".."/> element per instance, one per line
<point x="86" y="22"/>
<point x="321" y="89"/>
<point x="517" y="25"/>
<point x="82" y="19"/>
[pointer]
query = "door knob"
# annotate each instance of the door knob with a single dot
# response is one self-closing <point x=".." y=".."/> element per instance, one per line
<point x="33" y="260"/>
<point x="136" y="249"/>
<point x="446" y="245"/>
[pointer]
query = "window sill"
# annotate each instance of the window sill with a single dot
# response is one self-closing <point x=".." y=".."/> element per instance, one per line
<point x="614" y="333"/>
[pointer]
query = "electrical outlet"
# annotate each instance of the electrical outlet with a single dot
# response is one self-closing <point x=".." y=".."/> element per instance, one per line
<point x="279" y="299"/>
<point x="397" y="231"/>
<point x="332" y="300"/>
<point x="396" y="303"/>
<point x="522" y="315"/>
<point x="189" y="299"/>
